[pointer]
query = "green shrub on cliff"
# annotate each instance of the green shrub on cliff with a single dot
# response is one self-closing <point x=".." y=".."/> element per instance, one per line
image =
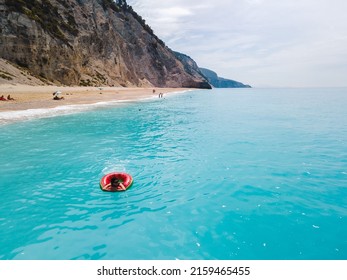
<point x="110" y="4"/>
<point x="47" y="15"/>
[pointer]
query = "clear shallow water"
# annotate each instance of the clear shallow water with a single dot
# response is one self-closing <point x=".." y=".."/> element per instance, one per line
<point x="222" y="174"/>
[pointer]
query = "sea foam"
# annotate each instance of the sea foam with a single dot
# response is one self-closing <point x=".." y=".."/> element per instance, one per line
<point x="29" y="114"/>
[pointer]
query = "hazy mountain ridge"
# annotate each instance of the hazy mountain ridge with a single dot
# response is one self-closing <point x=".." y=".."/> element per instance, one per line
<point x="220" y="82"/>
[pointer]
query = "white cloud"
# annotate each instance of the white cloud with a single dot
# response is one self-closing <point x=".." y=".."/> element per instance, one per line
<point x="260" y="42"/>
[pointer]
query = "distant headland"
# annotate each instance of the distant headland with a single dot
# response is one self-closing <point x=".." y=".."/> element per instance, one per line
<point x="219" y="82"/>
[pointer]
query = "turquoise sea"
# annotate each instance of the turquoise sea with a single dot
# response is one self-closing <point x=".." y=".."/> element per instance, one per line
<point x="246" y="174"/>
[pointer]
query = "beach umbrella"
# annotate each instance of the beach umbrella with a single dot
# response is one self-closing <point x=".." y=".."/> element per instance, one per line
<point x="57" y="93"/>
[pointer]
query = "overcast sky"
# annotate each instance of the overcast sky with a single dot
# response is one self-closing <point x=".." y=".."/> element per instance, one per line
<point x="277" y="43"/>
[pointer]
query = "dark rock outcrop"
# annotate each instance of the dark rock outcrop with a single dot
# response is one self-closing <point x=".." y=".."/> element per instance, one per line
<point x="219" y="82"/>
<point x="89" y="42"/>
<point x="192" y="68"/>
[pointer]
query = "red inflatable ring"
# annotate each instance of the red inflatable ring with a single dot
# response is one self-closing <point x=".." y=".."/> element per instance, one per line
<point x="125" y="182"/>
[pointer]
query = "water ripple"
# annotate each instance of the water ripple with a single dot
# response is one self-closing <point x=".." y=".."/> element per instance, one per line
<point x="209" y="170"/>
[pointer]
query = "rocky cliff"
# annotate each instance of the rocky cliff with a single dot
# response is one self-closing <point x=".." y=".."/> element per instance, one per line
<point x="189" y="64"/>
<point x="89" y="42"/>
<point x="219" y="82"/>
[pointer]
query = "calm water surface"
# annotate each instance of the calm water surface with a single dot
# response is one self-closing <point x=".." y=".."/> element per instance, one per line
<point x="221" y="174"/>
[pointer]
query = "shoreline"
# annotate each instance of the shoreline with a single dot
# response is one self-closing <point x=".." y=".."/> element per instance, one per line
<point x="33" y="102"/>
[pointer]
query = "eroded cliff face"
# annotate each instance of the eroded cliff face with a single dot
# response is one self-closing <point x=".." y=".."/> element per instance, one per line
<point x="89" y="42"/>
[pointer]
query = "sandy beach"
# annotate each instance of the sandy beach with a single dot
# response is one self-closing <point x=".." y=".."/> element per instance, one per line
<point x="39" y="97"/>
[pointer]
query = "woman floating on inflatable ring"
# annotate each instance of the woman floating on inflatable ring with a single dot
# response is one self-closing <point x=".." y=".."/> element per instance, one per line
<point x="116" y="182"/>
